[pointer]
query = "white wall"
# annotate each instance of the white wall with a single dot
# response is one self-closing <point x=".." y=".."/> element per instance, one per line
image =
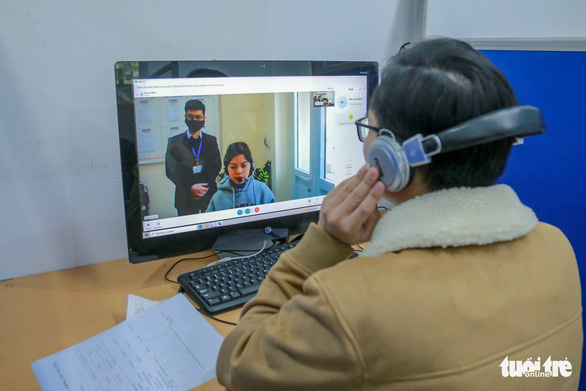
<point x="506" y="19"/>
<point x="60" y="186"/>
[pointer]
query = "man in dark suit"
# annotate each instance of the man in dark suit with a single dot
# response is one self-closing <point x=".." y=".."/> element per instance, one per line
<point x="192" y="162"/>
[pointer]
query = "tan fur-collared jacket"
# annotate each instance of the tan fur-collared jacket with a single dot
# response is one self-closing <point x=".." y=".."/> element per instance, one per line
<point x="456" y="289"/>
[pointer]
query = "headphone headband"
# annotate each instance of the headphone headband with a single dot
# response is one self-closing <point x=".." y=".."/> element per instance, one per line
<point x="395" y="159"/>
<point x="516" y="121"/>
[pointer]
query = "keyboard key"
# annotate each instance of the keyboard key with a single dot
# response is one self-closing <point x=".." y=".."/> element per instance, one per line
<point x="250" y="289"/>
<point x="210" y="295"/>
<point x="214" y="301"/>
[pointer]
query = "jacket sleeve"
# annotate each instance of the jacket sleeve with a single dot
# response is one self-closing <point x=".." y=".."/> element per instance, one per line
<point x="290" y="336"/>
<point x="177" y="166"/>
<point x="172" y="166"/>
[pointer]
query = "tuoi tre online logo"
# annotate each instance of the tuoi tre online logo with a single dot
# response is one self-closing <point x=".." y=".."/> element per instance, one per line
<point x="529" y="368"/>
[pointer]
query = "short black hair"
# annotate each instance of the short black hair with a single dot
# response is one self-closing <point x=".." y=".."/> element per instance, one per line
<point x="437" y="84"/>
<point x="195" y="104"/>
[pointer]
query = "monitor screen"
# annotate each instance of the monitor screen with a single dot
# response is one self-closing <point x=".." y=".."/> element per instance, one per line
<point x="212" y="147"/>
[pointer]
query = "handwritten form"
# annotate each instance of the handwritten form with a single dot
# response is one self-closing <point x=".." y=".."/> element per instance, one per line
<point x="167" y="347"/>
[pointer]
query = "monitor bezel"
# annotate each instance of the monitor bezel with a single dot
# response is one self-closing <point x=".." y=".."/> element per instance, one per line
<point x="141" y="249"/>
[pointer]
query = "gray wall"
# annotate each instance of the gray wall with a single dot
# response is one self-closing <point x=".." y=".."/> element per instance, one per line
<point x="496" y="19"/>
<point x="60" y="186"/>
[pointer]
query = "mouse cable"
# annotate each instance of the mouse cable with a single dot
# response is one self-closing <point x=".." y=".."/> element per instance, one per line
<point x="214" y="318"/>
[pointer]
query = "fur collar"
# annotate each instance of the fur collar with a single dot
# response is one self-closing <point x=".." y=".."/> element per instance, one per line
<point x="452" y="218"/>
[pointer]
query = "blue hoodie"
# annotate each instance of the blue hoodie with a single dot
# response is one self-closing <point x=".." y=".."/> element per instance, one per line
<point x="228" y="196"/>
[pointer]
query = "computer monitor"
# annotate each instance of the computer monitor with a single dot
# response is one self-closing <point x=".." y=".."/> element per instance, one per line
<point x="276" y="137"/>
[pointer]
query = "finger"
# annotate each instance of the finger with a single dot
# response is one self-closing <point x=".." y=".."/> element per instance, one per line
<point x="364" y="212"/>
<point x="360" y="191"/>
<point x="340" y="192"/>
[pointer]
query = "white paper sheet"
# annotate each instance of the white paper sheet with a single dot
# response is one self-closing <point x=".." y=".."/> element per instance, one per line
<point x="136" y="304"/>
<point x="167" y="347"/>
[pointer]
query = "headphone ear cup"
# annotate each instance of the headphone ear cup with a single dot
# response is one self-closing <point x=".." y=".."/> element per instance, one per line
<point x="251" y="168"/>
<point x="388" y="156"/>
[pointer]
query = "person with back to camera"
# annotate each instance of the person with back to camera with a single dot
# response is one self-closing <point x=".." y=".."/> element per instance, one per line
<point x="192" y="162"/>
<point x="238" y="188"/>
<point x="459" y="280"/>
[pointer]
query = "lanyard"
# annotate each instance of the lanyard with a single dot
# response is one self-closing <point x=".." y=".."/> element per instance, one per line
<point x="198" y="150"/>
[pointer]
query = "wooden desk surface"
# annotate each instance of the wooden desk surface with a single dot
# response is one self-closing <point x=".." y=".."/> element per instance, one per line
<point x="45" y="313"/>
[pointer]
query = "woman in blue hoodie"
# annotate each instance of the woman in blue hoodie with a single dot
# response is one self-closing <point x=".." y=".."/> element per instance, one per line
<point x="238" y="188"/>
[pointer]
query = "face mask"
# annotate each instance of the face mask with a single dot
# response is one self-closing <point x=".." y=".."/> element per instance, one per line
<point x="194" y="125"/>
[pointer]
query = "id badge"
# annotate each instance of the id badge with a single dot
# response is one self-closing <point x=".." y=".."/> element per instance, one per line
<point x="198" y="166"/>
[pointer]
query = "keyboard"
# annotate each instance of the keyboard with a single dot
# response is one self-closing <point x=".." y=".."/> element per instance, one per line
<point x="230" y="284"/>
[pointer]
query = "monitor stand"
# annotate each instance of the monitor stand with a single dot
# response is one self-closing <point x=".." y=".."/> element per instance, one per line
<point x="248" y="240"/>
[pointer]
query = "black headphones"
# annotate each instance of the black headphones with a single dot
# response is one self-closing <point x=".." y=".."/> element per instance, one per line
<point x="394" y="160"/>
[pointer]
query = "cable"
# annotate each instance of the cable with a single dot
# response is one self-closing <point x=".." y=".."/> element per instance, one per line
<point x="181" y="290"/>
<point x="181" y="260"/>
<point x="227" y="259"/>
<point x="214" y="318"/>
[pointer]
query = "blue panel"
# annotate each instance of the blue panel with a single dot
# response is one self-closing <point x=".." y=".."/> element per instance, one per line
<point x="547" y="171"/>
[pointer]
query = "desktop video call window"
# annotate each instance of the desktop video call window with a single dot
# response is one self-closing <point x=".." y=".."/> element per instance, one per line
<point x="260" y="146"/>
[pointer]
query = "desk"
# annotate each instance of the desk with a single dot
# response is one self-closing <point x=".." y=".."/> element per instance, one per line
<point x="45" y="313"/>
